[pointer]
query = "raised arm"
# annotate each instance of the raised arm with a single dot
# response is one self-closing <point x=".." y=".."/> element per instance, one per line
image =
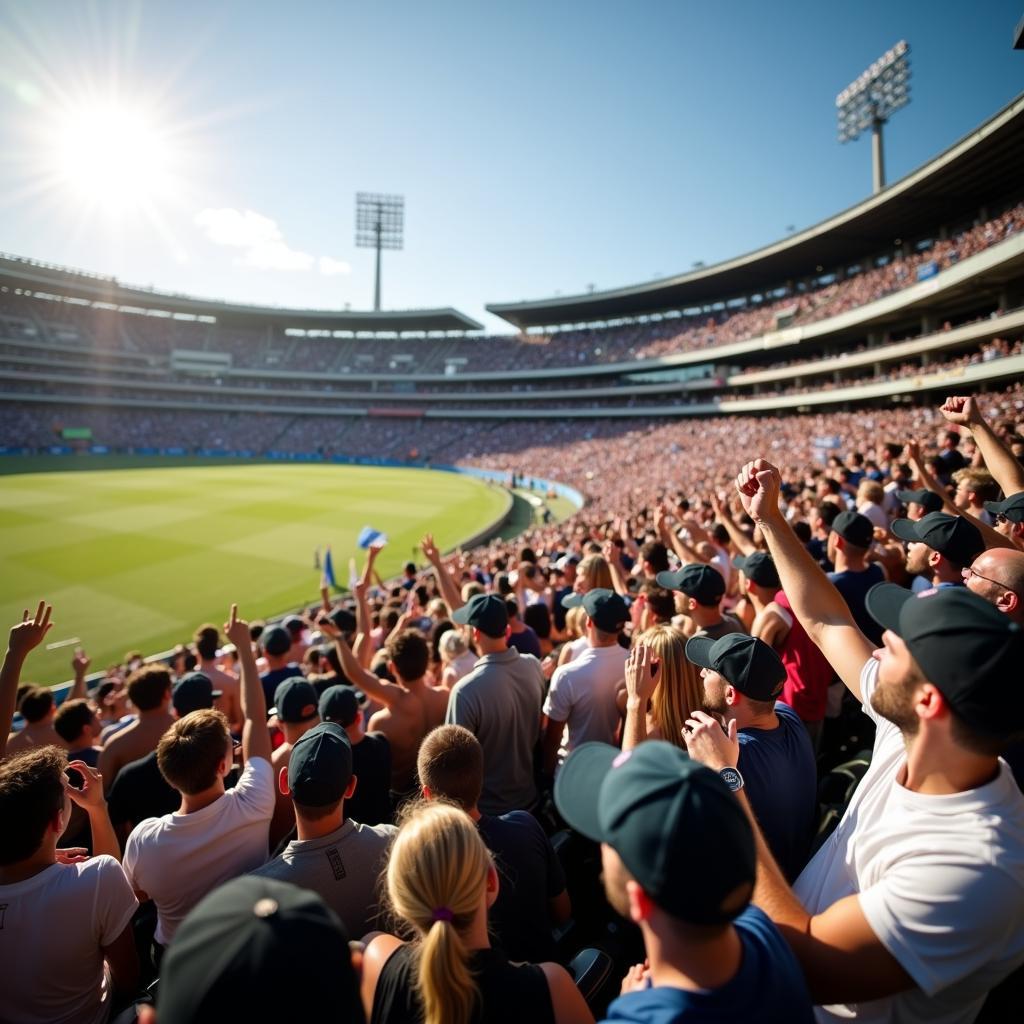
<point x="687" y="555"/>
<point x="379" y="689"/>
<point x="25" y="636"/>
<point x="820" y="608"/>
<point x="79" y="665"/>
<point x="1001" y="462"/>
<point x="641" y="680"/>
<point x="613" y="556"/>
<point x="255" y="735"/>
<point x="449" y="589"/>
<point x="993" y="538"/>
<point x="744" y="545"/>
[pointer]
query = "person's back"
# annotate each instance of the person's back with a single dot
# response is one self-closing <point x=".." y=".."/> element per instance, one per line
<point x="149" y="689"/>
<point x="500" y="703"/>
<point x="38" y="709"/>
<point x="335" y="857"/>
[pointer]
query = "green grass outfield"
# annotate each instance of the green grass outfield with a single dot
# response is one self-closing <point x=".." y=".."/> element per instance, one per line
<point x="138" y="557"/>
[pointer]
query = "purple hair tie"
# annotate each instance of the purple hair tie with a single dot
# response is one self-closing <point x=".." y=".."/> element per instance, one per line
<point x="442" y="914"/>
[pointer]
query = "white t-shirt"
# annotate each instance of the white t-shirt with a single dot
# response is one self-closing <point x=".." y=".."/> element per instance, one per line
<point x="940" y="878"/>
<point x="582" y="695"/>
<point x="179" y="858"/>
<point x="53" y="927"/>
<point x="576" y="648"/>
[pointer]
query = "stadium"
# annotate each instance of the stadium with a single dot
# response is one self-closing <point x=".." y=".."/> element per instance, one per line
<point x="375" y="486"/>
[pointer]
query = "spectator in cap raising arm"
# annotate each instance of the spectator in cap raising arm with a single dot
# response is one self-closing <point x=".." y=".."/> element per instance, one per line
<point x="679" y="861"/>
<point x="911" y="909"/>
<point x="25" y="636"/>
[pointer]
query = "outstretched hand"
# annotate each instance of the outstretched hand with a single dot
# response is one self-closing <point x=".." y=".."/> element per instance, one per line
<point x="28" y="634"/>
<point x="641" y="672"/>
<point x="429" y="549"/>
<point x="759" y="484"/>
<point x="237" y="630"/>
<point x="80" y="662"/>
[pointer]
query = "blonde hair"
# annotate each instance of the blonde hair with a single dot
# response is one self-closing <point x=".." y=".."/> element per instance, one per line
<point x="436" y="876"/>
<point x="679" y="691"/>
<point x="451" y="645"/>
<point x="575" y="622"/>
<point x="595" y="573"/>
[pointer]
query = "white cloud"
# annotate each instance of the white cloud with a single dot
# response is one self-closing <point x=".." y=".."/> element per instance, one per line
<point x="260" y="237"/>
<point x="330" y="267"/>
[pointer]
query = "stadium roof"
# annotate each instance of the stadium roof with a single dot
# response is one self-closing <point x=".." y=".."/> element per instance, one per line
<point x="984" y="166"/>
<point x="16" y="272"/>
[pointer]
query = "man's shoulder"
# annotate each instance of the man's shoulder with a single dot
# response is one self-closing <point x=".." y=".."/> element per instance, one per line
<point x="382" y="833"/>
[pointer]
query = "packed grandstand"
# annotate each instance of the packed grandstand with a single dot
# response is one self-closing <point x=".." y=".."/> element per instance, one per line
<point x="873" y="362"/>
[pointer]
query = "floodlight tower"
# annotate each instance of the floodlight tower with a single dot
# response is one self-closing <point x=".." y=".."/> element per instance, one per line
<point x="379" y="226"/>
<point x="870" y="100"/>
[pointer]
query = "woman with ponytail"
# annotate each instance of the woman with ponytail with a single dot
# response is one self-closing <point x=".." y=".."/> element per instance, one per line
<point x="440" y="883"/>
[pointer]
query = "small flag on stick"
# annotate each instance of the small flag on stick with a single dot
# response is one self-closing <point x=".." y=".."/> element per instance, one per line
<point x="327" y="579"/>
<point x="369" y="537"/>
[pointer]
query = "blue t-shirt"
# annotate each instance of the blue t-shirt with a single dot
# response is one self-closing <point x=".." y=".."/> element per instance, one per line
<point x="854" y="587"/>
<point x="768" y="987"/>
<point x="781" y="779"/>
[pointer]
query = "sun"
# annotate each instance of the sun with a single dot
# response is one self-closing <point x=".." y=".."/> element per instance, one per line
<point x="112" y="155"/>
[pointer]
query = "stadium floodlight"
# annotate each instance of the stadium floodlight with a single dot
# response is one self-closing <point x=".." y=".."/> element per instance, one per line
<point x="870" y="100"/>
<point x="379" y="220"/>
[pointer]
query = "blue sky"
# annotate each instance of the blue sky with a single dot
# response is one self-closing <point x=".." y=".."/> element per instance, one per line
<point x="541" y="147"/>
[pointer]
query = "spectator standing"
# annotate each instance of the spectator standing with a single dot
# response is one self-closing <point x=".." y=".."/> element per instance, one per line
<point x="296" y="705"/>
<point x="276" y="644"/>
<point x="703" y="590"/>
<point x="851" y="538"/>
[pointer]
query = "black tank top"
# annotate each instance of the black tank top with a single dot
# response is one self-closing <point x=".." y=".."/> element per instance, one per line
<point x="509" y="993"/>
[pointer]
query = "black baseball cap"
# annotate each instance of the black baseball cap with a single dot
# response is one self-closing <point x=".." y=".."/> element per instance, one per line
<point x="704" y="584"/>
<point x="295" y="700"/>
<point x="606" y="609"/>
<point x="231" y="952"/>
<point x="339" y="704"/>
<point x="759" y="568"/>
<point x="486" y="612"/>
<point x="748" y="664"/>
<point x="294" y="624"/>
<point x="193" y="692"/>
<point x="320" y="766"/>
<point x="344" y="619"/>
<point x="855" y="528"/>
<point x="952" y="536"/>
<point x="671" y="821"/>
<point x="928" y="500"/>
<point x="1011" y="507"/>
<point x="965" y="646"/>
<point x="276" y="640"/>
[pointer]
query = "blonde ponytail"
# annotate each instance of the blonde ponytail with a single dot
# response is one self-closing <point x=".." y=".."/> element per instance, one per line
<point x="436" y="877"/>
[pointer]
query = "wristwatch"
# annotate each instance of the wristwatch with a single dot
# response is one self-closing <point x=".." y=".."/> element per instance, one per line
<point x="731" y="777"/>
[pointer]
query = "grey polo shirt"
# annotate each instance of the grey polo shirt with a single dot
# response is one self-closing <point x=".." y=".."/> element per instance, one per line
<point x="500" y="702"/>
<point x="342" y="868"/>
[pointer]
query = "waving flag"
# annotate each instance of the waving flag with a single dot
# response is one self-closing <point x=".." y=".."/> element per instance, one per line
<point x="369" y="536"/>
<point x="327" y="579"/>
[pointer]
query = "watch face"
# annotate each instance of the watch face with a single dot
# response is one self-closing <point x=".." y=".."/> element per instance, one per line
<point x="732" y="778"/>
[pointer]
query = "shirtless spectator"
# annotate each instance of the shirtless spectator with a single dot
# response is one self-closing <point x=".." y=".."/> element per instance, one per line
<point x="23" y="638"/>
<point x="149" y="690"/>
<point x="410" y="709"/>
<point x="217" y="834"/>
<point x="38" y="708"/>
<point x="759" y="583"/>
<point x="207" y="644"/>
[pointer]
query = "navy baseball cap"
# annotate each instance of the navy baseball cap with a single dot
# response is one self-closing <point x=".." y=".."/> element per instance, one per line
<point x="276" y="640"/>
<point x="674" y="823"/>
<point x="193" y="692"/>
<point x="339" y="704"/>
<point x="965" y="646"/>
<point x="295" y="700"/>
<point x="704" y="584"/>
<point x="320" y="766"/>
<point x="855" y="528"/>
<point x="486" y="612"/>
<point x="745" y="662"/>
<point x="606" y="609"/>
<point x="952" y="536"/>
<point x="232" y="950"/>
<point x="759" y="568"/>
<point x="1011" y="507"/>
<point x="928" y="500"/>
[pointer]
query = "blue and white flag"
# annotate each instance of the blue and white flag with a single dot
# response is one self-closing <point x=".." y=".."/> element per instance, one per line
<point x="368" y="537"/>
<point x="327" y="579"/>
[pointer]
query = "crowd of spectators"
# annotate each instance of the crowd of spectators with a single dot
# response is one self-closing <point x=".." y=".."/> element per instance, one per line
<point x="621" y="730"/>
<point x="75" y="326"/>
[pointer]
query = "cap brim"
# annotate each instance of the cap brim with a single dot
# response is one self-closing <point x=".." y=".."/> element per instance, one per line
<point x="578" y="787"/>
<point x="905" y="530"/>
<point x="572" y="601"/>
<point x="669" y="580"/>
<point x="698" y="650"/>
<point x="884" y="602"/>
<point x="461" y="615"/>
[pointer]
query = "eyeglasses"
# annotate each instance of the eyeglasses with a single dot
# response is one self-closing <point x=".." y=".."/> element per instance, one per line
<point x="969" y="572"/>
